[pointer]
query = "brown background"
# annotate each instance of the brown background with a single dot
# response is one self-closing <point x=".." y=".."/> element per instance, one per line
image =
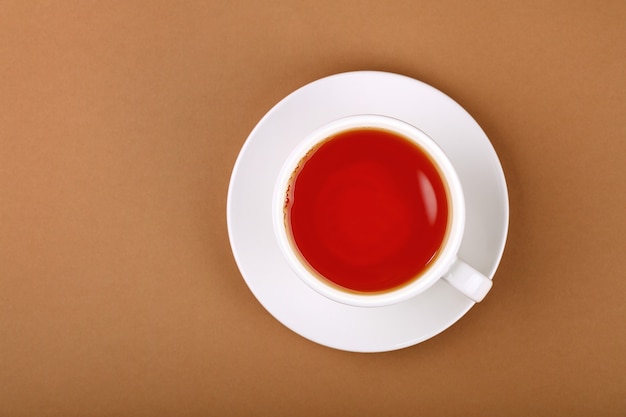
<point x="119" y="126"/>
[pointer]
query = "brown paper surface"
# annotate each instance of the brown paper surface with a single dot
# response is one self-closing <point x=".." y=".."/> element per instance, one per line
<point x="120" y="123"/>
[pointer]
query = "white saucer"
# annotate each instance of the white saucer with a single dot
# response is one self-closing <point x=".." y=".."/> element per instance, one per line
<point x="249" y="206"/>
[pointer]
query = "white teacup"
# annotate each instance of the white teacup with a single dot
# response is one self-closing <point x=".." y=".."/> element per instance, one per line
<point x="444" y="264"/>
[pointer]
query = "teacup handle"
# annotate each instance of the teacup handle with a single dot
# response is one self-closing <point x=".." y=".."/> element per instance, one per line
<point x="468" y="281"/>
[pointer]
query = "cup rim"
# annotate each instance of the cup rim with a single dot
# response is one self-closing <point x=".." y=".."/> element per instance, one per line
<point x="454" y="232"/>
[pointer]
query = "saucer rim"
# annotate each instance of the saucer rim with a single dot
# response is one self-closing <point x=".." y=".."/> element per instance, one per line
<point x="503" y="209"/>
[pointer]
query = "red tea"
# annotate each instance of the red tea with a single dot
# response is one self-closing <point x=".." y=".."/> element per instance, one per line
<point x="367" y="210"/>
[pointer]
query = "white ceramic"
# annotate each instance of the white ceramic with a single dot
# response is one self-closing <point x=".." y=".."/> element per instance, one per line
<point x="466" y="279"/>
<point x="250" y="218"/>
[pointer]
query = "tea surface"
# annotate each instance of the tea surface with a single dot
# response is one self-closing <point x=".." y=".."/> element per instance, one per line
<point x="368" y="210"/>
